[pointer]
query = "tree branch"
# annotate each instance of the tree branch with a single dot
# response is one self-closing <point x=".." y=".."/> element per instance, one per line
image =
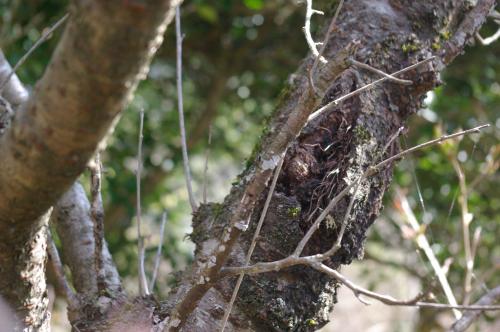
<point x="470" y="316"/>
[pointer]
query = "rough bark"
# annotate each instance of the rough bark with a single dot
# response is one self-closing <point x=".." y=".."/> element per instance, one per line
<point x="330" y="153"/>
<point x="104" y="51"/>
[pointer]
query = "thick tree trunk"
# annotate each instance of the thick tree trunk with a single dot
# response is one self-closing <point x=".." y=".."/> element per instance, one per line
<point x="330" y="153"/>
<point x="104" y="52"/>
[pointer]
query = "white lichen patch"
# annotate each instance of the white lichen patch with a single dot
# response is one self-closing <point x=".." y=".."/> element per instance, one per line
<point x="209" y="246"/>
<point x="242" y="225"/>
<point x="270" y="163"/>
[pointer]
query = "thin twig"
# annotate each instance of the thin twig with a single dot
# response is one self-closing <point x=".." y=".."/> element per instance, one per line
<point x="307" y="29"/>
<point x="158" y="252"/>
<point x="389" y="300"/>
<point x="59" y="272"/>
<point x="143" y="284"/>
<point x="97" y="215"/>
<point x="39" y="42"/>
<point x="254" y="241"/>
<point x="488" y="40"/>
<point x="423" y="244"/>
<point x="366" y="87"/>
<point x="466" y="218"/>
<point x="470" y="316"/>
<point x="205" y="169"/>
<point x="379" y="72"/>
<point x="323" y="46"/>
<point x="185" y="157"/>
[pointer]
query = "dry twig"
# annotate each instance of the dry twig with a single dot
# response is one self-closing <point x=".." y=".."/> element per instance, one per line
<point x="205" y="169"/>
<point x="470" y="316"/>
<point x="379" y="72"/>
<point x="423" y="244"/>
<point x="158" y="252"/>
<point x="254" y="241"/>
<point x="143" y="284"/>
<point x="323" y="46"/>
<point x="185" y="157"/>
<point x="366" y="87"/>
<point x="26" y="55"/>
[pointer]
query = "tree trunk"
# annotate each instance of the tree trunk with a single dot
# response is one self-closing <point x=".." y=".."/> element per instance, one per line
<point x="330" y="153"/>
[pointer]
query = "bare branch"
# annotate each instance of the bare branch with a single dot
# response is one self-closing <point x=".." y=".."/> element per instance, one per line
<point x="307" y="30"/>
<point x="97" y="214"/>
<point x="59" y="272"/>
<point x="158" y="252"/>
<point x="254" y="241"/>
<point x="466" y="218"/>
<point x="39" y="42"/>
<point x="389" y="300"/>
<point x="312" y="71"/>
<point x="470" y="316"/>
<point x="185" y="157"/>
<point x="143" y="284"/>
<point x="488" y="40"/>
<point x="205" y="169"/>
<point x="366" y="87"/>
<point x="379" y="72"/>
<point x="423" y="244"/>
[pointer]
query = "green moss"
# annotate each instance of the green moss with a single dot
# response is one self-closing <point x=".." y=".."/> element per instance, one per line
<point x="362" y="134"/>
<point x="217" y="209"/>
<point x="294" y="211"/>
<point x="409" y="47"/>
<point x="436" y="46"/>
<point x="445" y="34"/>
<point x="311" y="322"/>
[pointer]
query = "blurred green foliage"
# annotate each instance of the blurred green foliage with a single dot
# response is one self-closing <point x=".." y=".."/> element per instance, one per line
<point x="237" y="56"/>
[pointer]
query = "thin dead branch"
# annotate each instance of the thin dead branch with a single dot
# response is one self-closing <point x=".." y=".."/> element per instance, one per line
<point x="366" y="87"/>
<point x="205" y="169"/>
<point x="389" y="300"/>
<point x="470" y="316"/>
<point x="466" y="218"/>
<point x="158" y="252"/>
<point x="379" y="72"/>
<point x="321" y="51"/>
<point x="424" y="245"/>
<point x="488" y="40"/>
<point x="26" y="55"/>
<point x="307" y="29"/>
<point x="185" y="157"/>
<point x="254" y="241"/>
<point x="143" y="284"/>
